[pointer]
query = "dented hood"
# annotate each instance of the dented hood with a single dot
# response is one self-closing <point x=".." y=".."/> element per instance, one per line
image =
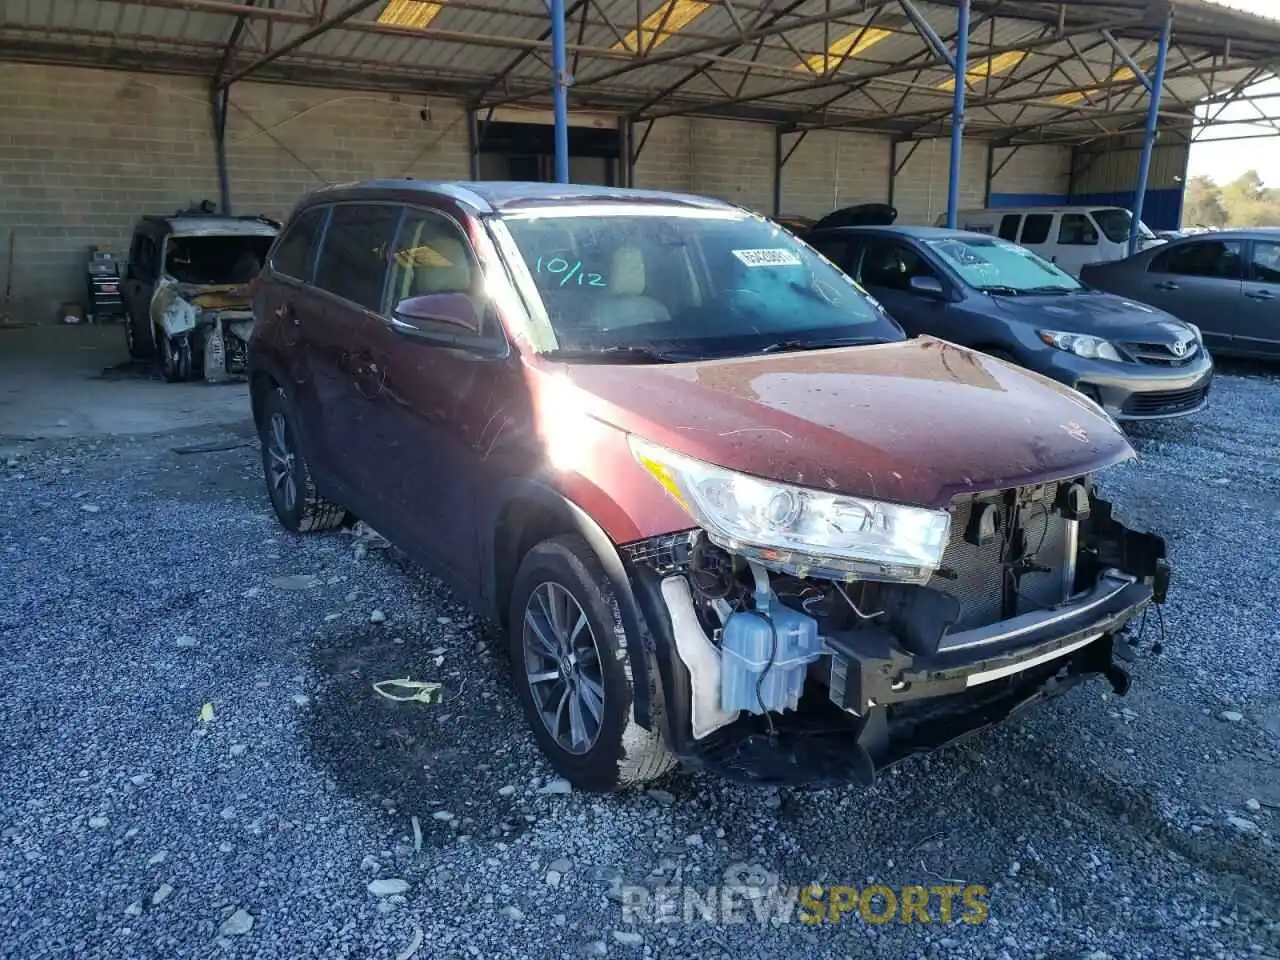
<point x="911" y="422"/>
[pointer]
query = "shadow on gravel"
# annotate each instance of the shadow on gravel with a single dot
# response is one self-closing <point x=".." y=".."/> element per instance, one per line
<point x="148" y="370"/>
<point x="131" y="370"/>
<point x="1242" y="871"/>
<point x="1253" y="369"/>
<point x="422" y="760"/>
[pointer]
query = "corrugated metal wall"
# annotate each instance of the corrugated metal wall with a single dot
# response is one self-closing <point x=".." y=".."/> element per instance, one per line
<point x="1115" y="168"/>
<point x="1108" y="173"/>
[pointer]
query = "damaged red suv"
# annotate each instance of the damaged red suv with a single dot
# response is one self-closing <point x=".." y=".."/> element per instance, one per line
<point x="727" y="514"/>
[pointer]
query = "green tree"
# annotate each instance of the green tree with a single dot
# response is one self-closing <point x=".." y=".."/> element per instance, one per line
<point x="1203" y="205"/>
<point x="1244" y="202"/>
<point x="1250" y="203"/>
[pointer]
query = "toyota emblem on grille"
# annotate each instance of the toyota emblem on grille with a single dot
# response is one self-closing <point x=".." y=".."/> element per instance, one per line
<point x="1180" y="348"/>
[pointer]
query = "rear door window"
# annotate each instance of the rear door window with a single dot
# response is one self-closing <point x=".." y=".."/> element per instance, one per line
<point x="1077" y="230"/>
<point x="1009" y="224"/>
<point x="1218" y="259"/>
<point x="294" y="254"/>
<point x="354" y="254"/>
<point x="1035" y="229"/>
<point x="840" y="252"/>
<point x="1264" y="265"/>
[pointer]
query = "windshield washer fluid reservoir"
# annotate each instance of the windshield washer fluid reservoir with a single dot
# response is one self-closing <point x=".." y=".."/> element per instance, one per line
<point x="765" y="654"/>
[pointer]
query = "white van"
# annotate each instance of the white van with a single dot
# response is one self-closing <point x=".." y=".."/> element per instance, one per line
<point x="1067" y="236"/>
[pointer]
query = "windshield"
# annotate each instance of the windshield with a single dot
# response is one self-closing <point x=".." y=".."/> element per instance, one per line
<point x="215" y="260"/>
<point x="687" y="283"/>
<point x="998" y="266"/>
<point x="1114" y="223"/>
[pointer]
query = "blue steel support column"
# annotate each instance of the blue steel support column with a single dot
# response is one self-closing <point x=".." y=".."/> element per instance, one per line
<point x="957" y="114"/>
<point x="1149" y="137"/>
<point x="560" y="90"/>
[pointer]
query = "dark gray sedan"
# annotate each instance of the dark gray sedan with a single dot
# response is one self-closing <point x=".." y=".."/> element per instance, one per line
<point x="1227" y="283"/>
<point x="1137" y="362"/>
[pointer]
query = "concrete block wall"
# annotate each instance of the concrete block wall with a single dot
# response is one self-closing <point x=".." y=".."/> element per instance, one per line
<point x="733" y="161"/>
<point x="1033" y="171"/>
<point x="920" y="188"/>
<point x="666" y="161"/>
<point x="84" y="153"/>
<point x="833" y="169"/>
<point x="283" y="142"/>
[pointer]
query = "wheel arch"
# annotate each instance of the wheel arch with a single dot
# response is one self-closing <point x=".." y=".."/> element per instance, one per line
<point x="261" y="382"/>
<point x="528" y="512"/>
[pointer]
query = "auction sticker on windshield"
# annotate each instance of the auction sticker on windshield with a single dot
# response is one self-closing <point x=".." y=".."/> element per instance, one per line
<point x="768" y="258"/>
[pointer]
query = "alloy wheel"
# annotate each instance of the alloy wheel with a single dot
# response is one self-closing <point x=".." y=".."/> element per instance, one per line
<point x="562" y="667"/>
<point x="281" y="467"/>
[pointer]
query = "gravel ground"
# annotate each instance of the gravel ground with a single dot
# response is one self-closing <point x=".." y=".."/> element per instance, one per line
<point x="193" y="762"/>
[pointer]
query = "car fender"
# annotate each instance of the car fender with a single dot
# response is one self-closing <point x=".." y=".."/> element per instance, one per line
<point x="542" y="495"/>
<point x="170" y="312"/>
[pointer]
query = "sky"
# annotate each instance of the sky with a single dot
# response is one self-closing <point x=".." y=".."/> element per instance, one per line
<point x="1226" y="161"/>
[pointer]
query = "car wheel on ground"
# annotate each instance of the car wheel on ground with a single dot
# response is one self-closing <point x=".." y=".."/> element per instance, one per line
<point x="574" y="679"/>
<point x="293" y="492"/>
<point x="175" y="355"/>
<point x="136" y="339"/>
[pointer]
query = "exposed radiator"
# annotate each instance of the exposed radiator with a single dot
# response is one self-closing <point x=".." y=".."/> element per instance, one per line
<point x="974" y="574"/>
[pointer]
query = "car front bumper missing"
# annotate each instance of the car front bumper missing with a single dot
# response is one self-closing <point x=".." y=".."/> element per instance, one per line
<point x="870" y="703"/>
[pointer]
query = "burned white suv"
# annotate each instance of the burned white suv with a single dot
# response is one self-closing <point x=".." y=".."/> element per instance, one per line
<point x="186" y="291"/>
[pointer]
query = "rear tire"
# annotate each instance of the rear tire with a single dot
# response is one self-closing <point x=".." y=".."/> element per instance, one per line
<point x="563" y="685"/>
<point x="137" y="339"/>
<point x="297" y="503"/>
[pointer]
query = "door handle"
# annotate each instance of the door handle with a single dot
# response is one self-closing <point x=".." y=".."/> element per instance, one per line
<point x="1261" y="295"/>
<point x="1167" y="285"/>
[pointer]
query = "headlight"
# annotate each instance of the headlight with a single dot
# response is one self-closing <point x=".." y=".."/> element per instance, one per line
<point x="799" y="530"/>
<point x="1082" y="345"/>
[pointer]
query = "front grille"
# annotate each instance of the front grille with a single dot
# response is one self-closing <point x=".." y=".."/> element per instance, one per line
<point x="1164" y="402"/>
<point x="975" y="573"/>
<point x="1162" y="354"/>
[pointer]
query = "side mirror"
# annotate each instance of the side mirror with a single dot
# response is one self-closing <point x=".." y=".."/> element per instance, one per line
<point x="930" y="287"/>
<point x="450" y="310"/>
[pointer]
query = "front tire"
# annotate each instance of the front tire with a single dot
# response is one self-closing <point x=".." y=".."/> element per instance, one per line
<point x="297" y="503"/>
<point x="572" y="673"/>
<point x="175" y="355"/>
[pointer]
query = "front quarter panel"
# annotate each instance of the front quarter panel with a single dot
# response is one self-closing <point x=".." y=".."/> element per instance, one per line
<point x="590" y="463"/>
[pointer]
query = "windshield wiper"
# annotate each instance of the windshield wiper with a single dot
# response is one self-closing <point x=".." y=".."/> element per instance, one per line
<point x="1000" y="290"/>
<point x="783" y="346"/>
<point x="618" y="354"/>
<point x="1053" y="288"/>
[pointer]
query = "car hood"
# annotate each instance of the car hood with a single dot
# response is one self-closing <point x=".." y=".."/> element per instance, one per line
<point x="913" y="422"/>
<point x="1101" y="314"/>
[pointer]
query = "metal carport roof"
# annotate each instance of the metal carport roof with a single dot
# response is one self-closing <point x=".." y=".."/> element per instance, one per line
<point x="1038" y="71"/>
